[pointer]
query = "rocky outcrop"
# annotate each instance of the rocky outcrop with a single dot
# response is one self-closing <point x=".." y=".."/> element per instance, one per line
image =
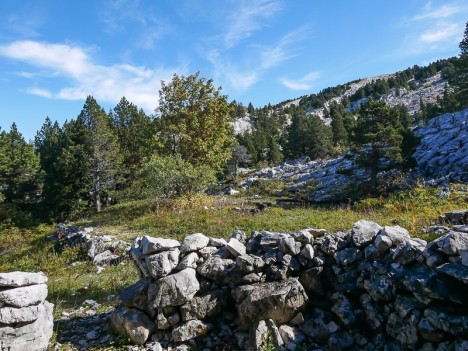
<point x="443" y="151"/>
<point x="371" y="288"/>
<point x="441" y="157"/>
<point x="26" y="321"/>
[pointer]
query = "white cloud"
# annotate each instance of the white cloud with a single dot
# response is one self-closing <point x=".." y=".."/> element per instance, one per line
<point x="107" y="83"/>
<point x="247" y="19"/>
<point x="443" y="11"/>
<point x="304" y="83"/>
<point x="442" y="32"/>
<point x="239" y="79"/>
<point x="282" y="51"/>
<point x="39" y="92"/>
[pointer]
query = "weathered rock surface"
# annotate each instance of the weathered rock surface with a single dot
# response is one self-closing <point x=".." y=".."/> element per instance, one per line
<point x="22" y="279"/>
<point x="26" y="319"/>
<point x="132" y="323"/>
<point x="173" y="290"/>
<point x="24" y="296"/>
<point x="279" y="301"/>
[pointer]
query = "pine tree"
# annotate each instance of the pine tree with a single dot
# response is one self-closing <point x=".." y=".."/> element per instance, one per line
<point x="460" y="80"/>
<point x="337" y="113"/>
<point x="19" y="169"/>
<point x="134" y="130"/>
<point x="103" y="157"/>
<point x="378" y="136"/>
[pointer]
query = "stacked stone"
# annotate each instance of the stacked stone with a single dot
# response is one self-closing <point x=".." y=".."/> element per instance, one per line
<point x="365" y="289"/>
<point x="26" y="320"/>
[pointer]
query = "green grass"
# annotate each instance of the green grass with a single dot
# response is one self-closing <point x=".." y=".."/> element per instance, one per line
<point x="70" y="284"/>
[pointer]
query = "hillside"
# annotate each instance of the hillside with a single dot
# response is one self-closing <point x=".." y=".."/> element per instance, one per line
<point x="410" y="88"/>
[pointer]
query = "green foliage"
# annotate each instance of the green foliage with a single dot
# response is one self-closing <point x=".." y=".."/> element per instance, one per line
<point x="20" y="178"/>
<point x="460" y="79"/>
<point x="134" y="131"/>
<point x="308" y="136"/>
<point x="378" y="137"/>
<point x="195" y="121"/>
<point x="168" y="176"/>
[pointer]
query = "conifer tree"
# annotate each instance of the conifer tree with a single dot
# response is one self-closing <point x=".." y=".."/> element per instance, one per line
<point x="378" y="136"/>
<point x="103" y="157"/>
<point x="460" y="81"/>
<point x="19" y="168"/>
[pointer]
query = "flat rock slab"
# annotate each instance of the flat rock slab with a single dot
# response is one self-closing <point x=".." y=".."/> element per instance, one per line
<point x="24" y="295"/>
<point x="151" y="245"/>
<point x="12" y="315"/>
<point x="17" y="279"/>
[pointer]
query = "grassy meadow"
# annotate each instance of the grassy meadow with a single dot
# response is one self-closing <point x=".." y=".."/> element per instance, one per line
<point x="73" y="279"/>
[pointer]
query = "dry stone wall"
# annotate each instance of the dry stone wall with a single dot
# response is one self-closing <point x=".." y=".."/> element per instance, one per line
<point x="370" y="288"/>
<point x="26" y="318"/>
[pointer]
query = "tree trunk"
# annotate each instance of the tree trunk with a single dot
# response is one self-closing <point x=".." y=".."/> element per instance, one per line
<point x="98" y="195"/>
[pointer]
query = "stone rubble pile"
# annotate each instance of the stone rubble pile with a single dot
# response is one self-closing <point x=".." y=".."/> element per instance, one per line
<point x="370" y="288"/>
<point x="103" y="250"/>
<point x="26" y="318"/>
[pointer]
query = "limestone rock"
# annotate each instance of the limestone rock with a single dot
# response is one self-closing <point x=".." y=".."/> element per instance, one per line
<point x="12" y="315"/>
<point x="173" y="290"/>
<point x="162" y="263"/>
<point x="189" y="330"/>
<point x="136" y="295"/>
<point x="194" y="242"/>
<point x="105" y="258"/>
<point x="24" y="296"/>
<point x="132" y="323"/>
<point x="151" y="245"/>
<point x="452" y="243"/>
<point x="189" y="261"/>
<point x="364" y="232"/>
<point x="33" y="336"/>
<point x="279" y="301"/>
<point x="205" y="306"/>
<point x="236" y="248"/>
<point x="17" y="279"/>
<point x="215" y="268"/>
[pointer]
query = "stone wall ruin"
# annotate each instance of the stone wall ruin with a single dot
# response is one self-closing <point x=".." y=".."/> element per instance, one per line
<point x="370" y="288"/>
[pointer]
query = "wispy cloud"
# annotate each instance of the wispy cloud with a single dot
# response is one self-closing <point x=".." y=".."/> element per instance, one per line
<point x="243" y="73"/>
<point x="238" y="78"/>
<point x="124" y="15"/>
<point x="441" y="33"/>
<point x="304" y="83"/>
<point x="249" y="17"/>
<point x="283" y="50"/>
<point x="26" y="26"/>
<point x="434" y="28"/>
<point x="443" y="11"/>
<point x="40" y="92"/>
<point x="85" y="77"/>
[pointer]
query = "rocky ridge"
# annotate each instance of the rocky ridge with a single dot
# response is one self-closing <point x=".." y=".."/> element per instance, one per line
<point x="370" y="288"/>
<point x="427" y="91"/>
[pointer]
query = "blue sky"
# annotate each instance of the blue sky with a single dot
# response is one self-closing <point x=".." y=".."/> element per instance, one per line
<point x="53" y="53"/>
